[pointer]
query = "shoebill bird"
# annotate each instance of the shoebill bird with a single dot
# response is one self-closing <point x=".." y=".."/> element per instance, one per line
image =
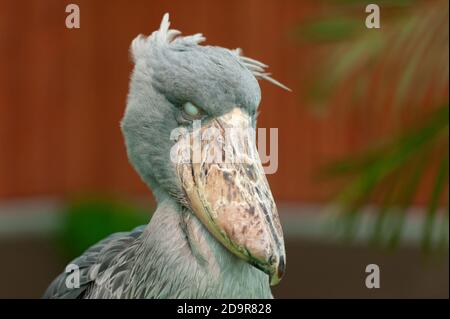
<point x="215" y="232"/>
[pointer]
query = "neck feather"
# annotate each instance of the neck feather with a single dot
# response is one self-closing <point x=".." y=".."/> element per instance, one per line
<point x="183" y="260"/>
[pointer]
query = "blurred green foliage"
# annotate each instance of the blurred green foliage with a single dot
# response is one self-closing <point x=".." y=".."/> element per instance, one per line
<point x="392" y="173"/>
<point x="333" y="29"/>
<point x="343" y="19"/>
<point x="91" y="219"/>
<point x="409" y="54"/>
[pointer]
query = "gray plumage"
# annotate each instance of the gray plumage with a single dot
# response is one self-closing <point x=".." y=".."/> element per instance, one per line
<point x="174" y="256"/>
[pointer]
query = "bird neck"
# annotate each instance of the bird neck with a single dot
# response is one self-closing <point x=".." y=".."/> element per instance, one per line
<point x="195" y="264"/>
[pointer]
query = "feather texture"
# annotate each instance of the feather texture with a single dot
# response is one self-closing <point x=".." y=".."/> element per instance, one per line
<point x="166" y="36"/>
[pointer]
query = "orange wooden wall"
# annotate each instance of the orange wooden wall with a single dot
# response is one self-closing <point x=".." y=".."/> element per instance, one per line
<point x="62" y="92"/>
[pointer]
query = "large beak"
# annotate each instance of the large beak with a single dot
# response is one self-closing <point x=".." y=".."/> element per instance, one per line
<point x="227" y="189"/>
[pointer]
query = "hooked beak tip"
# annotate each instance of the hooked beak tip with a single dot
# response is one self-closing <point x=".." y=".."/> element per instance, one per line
<point x="281" y="267"/>
<point x="278" y="272"/>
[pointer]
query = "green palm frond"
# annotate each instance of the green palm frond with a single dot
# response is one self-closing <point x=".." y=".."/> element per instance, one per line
<point x="399" y="73"/>
<point x="406" y="58"/>
<point x="390" y="176"/>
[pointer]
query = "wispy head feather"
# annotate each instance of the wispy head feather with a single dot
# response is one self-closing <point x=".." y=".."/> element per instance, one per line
<point x="258" y="69"/>
<point x="166" y="36"/>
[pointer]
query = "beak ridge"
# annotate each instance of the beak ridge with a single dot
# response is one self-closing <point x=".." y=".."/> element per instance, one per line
<point x="232" y="198"/>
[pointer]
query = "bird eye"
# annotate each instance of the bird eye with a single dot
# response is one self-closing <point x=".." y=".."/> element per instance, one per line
<point x="191" y="110"/>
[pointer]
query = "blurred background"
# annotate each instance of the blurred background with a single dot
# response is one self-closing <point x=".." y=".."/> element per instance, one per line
<point x="363" y="138"/>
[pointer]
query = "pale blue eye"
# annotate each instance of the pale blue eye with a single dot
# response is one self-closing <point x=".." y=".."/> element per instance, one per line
<point x="191" y="109"/>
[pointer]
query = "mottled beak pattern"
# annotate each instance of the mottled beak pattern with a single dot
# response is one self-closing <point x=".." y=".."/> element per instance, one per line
<point x="225" y="186"/>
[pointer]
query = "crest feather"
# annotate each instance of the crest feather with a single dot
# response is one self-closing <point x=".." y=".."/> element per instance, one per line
<point x="164" y="36"/>
<point x="258" y="69"/>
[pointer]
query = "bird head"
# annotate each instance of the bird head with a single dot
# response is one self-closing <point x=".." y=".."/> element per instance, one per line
<point x="189" y="130"/>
